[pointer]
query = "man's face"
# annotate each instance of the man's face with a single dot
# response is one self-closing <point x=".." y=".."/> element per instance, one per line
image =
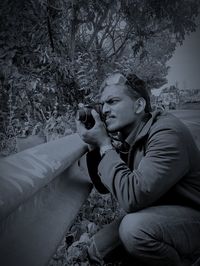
<point x="118" y="109"/>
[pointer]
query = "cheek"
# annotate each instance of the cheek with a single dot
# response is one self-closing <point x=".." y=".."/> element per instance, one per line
<point x="126" y="115"/>
<point x="124" y="110"/>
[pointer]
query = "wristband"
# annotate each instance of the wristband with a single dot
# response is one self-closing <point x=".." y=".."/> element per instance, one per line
<point x="105" y="148"/>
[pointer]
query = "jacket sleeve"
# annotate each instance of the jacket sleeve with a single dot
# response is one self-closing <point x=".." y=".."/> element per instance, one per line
<point x="93" y="158"/>
<point x="164" y="164"/>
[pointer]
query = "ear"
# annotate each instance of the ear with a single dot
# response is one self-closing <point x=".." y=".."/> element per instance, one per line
<point x="140" y="105"/>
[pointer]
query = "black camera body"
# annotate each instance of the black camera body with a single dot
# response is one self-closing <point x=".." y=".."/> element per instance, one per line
<point x="85" y="116"/>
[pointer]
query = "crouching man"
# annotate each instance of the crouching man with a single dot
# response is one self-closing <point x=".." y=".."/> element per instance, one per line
<point x="154" y="175"/>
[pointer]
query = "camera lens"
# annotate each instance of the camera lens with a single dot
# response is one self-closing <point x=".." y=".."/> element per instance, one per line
<point x="85" y="116"/>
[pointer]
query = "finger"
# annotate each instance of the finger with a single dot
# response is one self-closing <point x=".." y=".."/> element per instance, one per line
<point x="95" y="115"/>
<point x="78" y="122"/>
<point x="77" y="125"/>
<point x="80" y="127"/>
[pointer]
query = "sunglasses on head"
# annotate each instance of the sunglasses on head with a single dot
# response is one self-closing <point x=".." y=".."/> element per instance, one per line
<point x="114" y="79"/>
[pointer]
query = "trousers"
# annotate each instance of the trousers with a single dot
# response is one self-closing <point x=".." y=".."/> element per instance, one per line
<point x="167" y="235"/>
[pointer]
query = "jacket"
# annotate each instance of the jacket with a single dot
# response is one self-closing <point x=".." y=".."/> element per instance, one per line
<point x="163" y="167"/>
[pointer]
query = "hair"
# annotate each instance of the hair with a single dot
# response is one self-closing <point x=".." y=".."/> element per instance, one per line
<point x="136" y="88"/>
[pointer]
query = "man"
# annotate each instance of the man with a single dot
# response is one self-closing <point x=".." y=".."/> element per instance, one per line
<point x="154" y="175"/>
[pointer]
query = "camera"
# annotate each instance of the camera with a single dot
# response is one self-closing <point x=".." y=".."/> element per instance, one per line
<point x="85" y="116"/>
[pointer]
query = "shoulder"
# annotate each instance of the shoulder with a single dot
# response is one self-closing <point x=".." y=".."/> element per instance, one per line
<point x="166" y="121"/>
<point x="168" y="129"/>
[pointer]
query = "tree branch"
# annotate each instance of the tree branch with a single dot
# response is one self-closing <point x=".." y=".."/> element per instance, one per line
<point x="121" y="47"/>
<point x="98" y="25"/>
<point x="108" y="30"/>
<point x="49" y="27"/>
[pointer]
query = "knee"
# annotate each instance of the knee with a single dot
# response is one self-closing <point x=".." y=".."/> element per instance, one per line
<point x="132" y="232"/>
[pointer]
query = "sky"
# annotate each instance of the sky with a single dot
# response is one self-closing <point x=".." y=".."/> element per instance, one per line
<point x="185" y="63"/>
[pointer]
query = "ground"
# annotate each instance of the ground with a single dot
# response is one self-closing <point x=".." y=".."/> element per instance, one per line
<point x="97" y="211"/>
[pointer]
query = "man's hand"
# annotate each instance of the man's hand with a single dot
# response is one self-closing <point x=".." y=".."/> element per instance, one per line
<point x="96" y="136"/>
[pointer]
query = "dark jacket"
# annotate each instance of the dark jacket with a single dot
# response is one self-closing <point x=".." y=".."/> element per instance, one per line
<point x="163" y="167"/>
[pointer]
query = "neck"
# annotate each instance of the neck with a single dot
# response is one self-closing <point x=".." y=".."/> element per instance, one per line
<point x="135" y="126"/>
<point x="125" y="132"/>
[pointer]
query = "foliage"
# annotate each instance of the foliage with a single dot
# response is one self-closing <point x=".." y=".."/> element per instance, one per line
<point x="54" y="54"/>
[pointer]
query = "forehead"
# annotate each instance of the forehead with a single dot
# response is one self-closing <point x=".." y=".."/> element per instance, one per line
<point x="113" y="91"/>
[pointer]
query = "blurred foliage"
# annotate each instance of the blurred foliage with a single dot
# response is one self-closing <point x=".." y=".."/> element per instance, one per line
<point x="54" y="54"/>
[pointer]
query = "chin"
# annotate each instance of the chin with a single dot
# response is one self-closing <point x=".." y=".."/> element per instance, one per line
<point x="112" y="129"/>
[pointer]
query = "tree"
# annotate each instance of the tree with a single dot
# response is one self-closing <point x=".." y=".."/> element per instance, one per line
<point x="103" y="31"/>
<point x="54" y="54"/>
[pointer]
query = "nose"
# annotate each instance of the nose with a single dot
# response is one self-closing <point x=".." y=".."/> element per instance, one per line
<point x="105" y="109"/>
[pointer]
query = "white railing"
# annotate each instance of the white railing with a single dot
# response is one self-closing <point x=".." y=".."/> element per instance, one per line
<point x="41" y="192"/>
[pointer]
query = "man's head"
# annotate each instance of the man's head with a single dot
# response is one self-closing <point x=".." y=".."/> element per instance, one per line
<point x="125" y="101"/>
